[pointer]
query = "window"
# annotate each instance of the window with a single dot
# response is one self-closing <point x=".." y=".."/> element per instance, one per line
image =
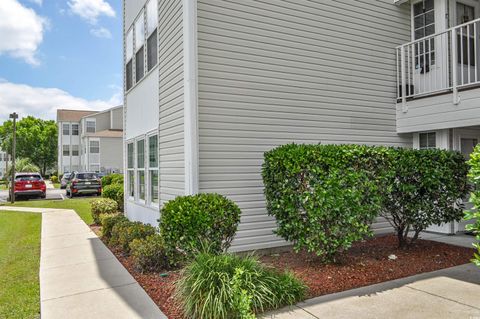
<point x="66" y="129"/>
<point x="465" y="41"/>
<point x="129" y="56"/>
<point x="153" y="169"/>
<point x="141" y="169"/>
<point x="139" y="47"/>
<point x="424" y="25"/>
<point x="74" y="129"/>
<point x="152" y="24"/>
<point x="130" y="169"/>
<point x="428" y="140"/>
<point x="75" y="150"/>
<point x="94" y="147"/>
<point x="66" y="150"/>
<point x="91" y="126"/>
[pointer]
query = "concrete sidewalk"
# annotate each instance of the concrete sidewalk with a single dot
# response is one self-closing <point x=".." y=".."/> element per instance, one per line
<point x="447" y="293"/>
<point x="80" y="277"/>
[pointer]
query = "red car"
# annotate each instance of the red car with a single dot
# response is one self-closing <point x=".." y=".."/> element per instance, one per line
<point x="30" y="185"/>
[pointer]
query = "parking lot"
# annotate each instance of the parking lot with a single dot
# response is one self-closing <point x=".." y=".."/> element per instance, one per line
<point x="52" y="193"/>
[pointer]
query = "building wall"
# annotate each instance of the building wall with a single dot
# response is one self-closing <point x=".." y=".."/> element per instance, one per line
<point x="111" y="154"/>
<point x="71" y="162"/>
<point x="171" y="131"/>
<point x="273" y="72"/>
<point x="117" y="118"/>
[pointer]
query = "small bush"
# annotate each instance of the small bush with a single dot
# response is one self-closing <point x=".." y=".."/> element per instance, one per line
<point x="474" y="175"/>
<point x="114" y="192"/>
<point x="229" y="286"/>
<point x="102" y="206"/>
<point x="112" y="179"/>
<point x="123" y="233"/>
<point x="108" y="221"/>
<point x="54" y="179"/>
<point x="188" y="221"/>
<point x="324" y="197"/>
<point x="425" y="187"/>
<point x="149" y="254"/>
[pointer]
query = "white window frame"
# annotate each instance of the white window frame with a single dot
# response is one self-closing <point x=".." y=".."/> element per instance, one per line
<point x="140" y="20"/>
<point x="129" y="59"/>
<point x="138" y="170"/>
<point x="152" y="169"/>
<point x="68" y="129"/>
<point x="66" y="146"/>
<point x="90" y="146"/>
<point x="75" y="147"/>
<point x="94" y="121"/>
<point x="428" y="147"/>
<point x="149" y="33"/>
<point x="132" y="170"/>
<point x="77" y="130"/>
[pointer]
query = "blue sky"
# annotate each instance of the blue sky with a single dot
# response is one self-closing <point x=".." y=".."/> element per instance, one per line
<point x="61" y="54"/>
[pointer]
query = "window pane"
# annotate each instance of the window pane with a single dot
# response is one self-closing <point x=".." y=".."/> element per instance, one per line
<point x="74" y="129"/>
<point x="91" y="126"/>
<point x="141" y="185"/>
<point x="423" y="141"/>
<point x="139" y="66"/>
<point x="66" y="150"/>
<point x="74" y="150"/>
<point x="418" y="8"/>
<point x="129" y="45"/>
<point x="131" y="184"/>
<point x="141" y="154"/>
<point x="130" y="155"/>
<point x="428" y="5"/>
<point x="153" y="151"/>
<point x="94" y="147"/>
<point x="432" y="140"/>
<point x="66" y="129"/>
<point x="129" y="75"/>
<point x="154" y="186"/>
<point x="152" y="16"/>
<point x="152" y="50"/>
<point x="429" y="17"/>
<point x="139" y="32"/>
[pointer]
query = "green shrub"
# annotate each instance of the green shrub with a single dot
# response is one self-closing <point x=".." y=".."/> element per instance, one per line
<point x="114" y="192"/>
<point x="474" y="176"/>
<point x="112" y="179"/>
<point x="425" y="187"/>
<point x="149" y="254"/>
<point x="189" y="221"/>
<point x="108" y="221"/>
<point x="102" y="206"/>
<point x="229" y="286"/>
<point x="124" y="233"/>
<point x="324" y="197"/>
<point x="54" y="179"/>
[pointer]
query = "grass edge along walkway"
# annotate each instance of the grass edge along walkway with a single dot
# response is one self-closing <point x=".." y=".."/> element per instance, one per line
<point x="20" y="235"/>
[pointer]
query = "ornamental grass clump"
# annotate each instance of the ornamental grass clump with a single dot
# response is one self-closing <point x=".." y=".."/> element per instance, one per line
<point x="229" y="286"/>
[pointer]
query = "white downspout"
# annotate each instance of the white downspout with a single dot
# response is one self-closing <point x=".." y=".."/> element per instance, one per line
<point x="190" y="96"/>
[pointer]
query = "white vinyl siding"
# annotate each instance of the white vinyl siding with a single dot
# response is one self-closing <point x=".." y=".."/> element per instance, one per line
<point x="274" y="72"/>
<point x="171" y="134"/>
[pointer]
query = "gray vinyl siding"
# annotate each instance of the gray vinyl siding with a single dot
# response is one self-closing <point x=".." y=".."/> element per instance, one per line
<point x="117" y="119"/>
<point x="439" y="112"/>
<point x="273" y="72"/>
<point x="171" y="132"/>
<point x="111" y="153"/>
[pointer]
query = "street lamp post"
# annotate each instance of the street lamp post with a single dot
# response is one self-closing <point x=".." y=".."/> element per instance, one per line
<point x="14" y="117"/>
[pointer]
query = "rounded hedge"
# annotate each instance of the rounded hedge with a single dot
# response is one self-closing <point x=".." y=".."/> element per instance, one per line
<point x="187" y="223"/>
<point x="125" y="232"/>
<point x="110" y="220"/>
<point x="149" y="254"/>
<point x="102" y="206"/>
<point x="114" y="192"/>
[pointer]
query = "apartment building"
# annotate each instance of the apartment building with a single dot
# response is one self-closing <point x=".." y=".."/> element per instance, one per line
<point x="90" y="140"/>
<point x="211" y="85"/>
<point x="4" y="163"/>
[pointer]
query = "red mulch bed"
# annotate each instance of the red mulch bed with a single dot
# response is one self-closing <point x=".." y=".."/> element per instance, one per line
<point x="366" y="263"/>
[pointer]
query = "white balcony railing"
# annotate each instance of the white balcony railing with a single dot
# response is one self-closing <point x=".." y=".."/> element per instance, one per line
<point x="445" y="61"/>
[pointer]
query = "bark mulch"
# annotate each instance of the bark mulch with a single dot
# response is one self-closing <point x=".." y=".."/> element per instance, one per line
<point x="366" y="263"/>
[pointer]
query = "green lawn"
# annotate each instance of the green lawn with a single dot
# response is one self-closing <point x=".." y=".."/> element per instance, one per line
<point x="80" y="205"/>
<point x="19" y="265"/>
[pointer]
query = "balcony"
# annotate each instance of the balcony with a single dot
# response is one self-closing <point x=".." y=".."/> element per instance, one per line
<point x="438" y="80"/>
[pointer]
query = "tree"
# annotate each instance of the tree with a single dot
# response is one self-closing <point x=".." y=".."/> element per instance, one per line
<point x="36" y="140"/>
<point x="23" y="165"/>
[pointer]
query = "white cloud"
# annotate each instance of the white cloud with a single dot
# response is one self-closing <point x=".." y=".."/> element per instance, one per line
<point x="21" y="31"/>
<point x="44" y="102"/>
<point x="39" y="2"/>
<point x="90" y="10"/>
<point x="101" y="33"/>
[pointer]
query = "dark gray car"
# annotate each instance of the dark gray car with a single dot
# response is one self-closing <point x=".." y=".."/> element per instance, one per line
<point x="84" y="183"/>
<point x="64" y="181"/>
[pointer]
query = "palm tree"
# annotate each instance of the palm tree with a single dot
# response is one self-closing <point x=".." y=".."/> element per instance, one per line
<point x="23" y="165"/>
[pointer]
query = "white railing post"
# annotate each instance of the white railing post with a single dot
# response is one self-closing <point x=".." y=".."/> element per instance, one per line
<point x="404" y="79"/>
<point x="453" y="51"/>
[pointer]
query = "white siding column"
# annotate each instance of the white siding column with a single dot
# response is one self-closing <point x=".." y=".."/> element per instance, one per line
<point x="190" y="96"/>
